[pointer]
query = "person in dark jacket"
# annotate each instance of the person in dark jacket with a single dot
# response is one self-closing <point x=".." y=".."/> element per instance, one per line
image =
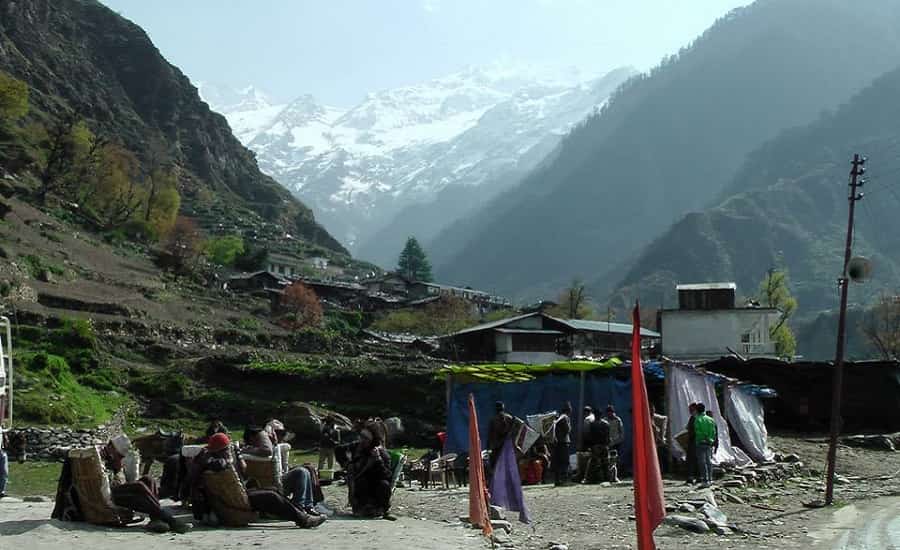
<point x="498" y="430"/>
<point x="691" y="450"/>
<point x="562" y="431"/>
<point x="369" y="476"/>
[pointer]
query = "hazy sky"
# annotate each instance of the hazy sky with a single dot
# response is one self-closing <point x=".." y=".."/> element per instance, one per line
<point x="338" y="50"/>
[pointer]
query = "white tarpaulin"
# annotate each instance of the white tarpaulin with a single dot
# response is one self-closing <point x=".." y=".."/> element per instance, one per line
<point x="543" y="424"/>
<point x="745" y="413"/>
<point x="686" y="387"/>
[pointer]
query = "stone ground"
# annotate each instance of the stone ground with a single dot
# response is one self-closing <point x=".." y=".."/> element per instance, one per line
<point x="582" y="517"/>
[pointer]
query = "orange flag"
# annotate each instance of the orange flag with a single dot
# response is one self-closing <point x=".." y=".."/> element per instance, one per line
<point x="478" y="494"/>
<point x="649" y="505"/>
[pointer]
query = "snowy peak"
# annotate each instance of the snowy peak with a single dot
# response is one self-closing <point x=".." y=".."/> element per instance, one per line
<point x="361" y="166"/>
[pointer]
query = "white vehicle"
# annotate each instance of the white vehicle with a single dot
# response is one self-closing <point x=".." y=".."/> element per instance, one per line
<point x="6" y="374"/>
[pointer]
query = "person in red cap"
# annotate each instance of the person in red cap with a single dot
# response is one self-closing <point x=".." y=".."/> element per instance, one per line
<point x="217" y="456"/>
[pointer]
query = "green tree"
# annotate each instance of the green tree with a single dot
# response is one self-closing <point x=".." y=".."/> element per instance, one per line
<point x="113" y="196"/>
<point x="223" y="250"/>
<point x="13" y="99"/>
<point x="413" y="263"/>
<point x="162" y="202"/>
<point x="68" y="155"/>
<point x="775" y="292"/>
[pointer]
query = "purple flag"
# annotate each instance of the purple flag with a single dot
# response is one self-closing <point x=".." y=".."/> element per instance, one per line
<point x="506" y="485"/>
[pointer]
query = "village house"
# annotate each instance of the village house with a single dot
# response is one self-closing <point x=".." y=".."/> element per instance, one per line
<point x="391" y="284"/>
<point x="537" y="338"/>
<point x="248" y="282"/>
<point x="285" y="265"/>
<point x="708" y="325"/>
<point x="482" y="302"/>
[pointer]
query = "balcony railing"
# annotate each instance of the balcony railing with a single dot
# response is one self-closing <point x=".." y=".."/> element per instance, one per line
<point x="759" y="348"/>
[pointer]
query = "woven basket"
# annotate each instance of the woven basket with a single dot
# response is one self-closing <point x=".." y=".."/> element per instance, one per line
<point x="89" y="476"/>
<point x="263" y="473"/>
<point x="229" y="498"/>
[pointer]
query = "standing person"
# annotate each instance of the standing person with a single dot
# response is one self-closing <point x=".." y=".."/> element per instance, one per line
<point x="4" y="464"/>
<point x="562" y="430"/>
<point x="498" y="430"/>
<point x="584" y="444"/>
<point x="691" y="450"/>
<point x="330" y="438"/>
<point x="598" y="466"/>
<point x="706" y="441"/>
<point x="660" y="424"/>
<point x="616" y="437"/>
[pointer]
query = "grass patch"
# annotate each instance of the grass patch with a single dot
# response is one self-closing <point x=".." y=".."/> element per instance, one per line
<point x="36" y="265"/>
<point x="247" y="323"/>
<point x="33" y="478"/>
<point x="47" y="392"/>
<point x="284" y="367"/>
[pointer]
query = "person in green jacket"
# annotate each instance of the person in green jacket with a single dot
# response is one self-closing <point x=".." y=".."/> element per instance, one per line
<point x="707" y="441"/>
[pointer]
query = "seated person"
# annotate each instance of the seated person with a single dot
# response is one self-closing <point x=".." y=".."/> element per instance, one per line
<point x="218" y="456"/>
<point x="137" y="495"/>
<point x="300" y="486"/>
<point x="257" y="442"/>
<point x="369" y="476"/>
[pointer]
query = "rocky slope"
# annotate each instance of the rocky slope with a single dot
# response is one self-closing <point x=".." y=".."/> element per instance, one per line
<point x="369" y="169"/>
<point x="793" y="208"/>
<point x="79" y="55"/>
<point x="669" y="142"/>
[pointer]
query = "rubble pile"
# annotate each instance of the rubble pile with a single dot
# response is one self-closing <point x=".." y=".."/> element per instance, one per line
<point x="699" y="513"/>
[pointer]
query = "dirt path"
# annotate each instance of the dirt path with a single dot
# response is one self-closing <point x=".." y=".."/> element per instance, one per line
<point x="861" y="526"/>
<point x="25" y="526"/>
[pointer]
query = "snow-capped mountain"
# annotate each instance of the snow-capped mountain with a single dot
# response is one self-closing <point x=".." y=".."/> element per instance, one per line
<point x="359" y="168"/>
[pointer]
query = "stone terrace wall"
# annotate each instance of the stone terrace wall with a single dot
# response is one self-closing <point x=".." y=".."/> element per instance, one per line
<point x="54" y="443"/>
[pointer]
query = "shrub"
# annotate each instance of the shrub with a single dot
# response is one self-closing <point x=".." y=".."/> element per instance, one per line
<point x="224" y="250"/>
<point x="301" y="307"/>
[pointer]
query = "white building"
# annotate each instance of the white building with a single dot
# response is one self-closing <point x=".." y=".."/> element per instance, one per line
<point x="708" y="325"/>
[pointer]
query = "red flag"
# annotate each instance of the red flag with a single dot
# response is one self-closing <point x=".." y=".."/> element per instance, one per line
<point x="478" y="493"/>
<point x="649" y="506"/>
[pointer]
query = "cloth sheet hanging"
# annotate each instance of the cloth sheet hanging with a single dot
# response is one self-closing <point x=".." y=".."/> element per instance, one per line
<point x="747" y="417"/>
<point x="686" y="387"/>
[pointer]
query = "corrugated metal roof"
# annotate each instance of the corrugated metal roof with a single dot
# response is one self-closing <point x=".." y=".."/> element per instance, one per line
<point x="526" y="331"/>
<point x="707" y="286"/>
<point x="494" y="324"/>
<point x="603" y="326"/>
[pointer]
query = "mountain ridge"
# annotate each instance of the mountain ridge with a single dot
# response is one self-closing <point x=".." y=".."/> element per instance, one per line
<point x="668" y="142"/>
<point x="400" y="148"/>
<point x="115" y="78"/>
<point x="794" y="212"/>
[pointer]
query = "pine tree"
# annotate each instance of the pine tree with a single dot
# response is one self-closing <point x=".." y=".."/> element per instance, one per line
<point x="413" y="263"/>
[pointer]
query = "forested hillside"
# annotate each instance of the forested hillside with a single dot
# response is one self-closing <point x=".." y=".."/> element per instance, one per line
<point x="80" y="59"/>
<point x="793" y="210"/>
<point x="669" y="142"/>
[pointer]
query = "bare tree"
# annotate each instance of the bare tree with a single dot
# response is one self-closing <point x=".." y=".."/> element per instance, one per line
<point x="573" y="302"/>
<point x="881" y="326"/>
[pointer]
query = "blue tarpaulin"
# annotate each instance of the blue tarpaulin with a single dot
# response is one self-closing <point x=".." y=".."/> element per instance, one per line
<point x="543" y="394"/>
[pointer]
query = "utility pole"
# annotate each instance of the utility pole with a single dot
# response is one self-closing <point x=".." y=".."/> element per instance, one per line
<point x="856" y="181"/>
